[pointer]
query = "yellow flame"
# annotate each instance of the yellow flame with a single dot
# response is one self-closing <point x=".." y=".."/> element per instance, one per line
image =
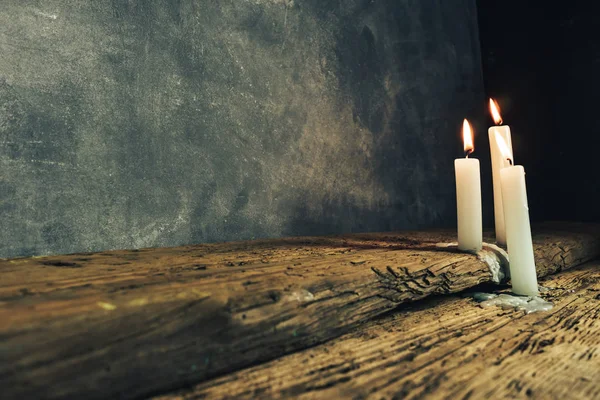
<point x="468" y="137"/>
<point x="495" y="110"/>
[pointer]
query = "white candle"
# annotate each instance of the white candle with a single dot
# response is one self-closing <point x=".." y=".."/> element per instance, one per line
<point x="468" y="196"/>
<point x="518" y="231"/>
<point x="499" y="161"/>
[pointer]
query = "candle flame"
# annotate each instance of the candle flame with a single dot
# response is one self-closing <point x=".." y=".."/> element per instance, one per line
<point x="468" y="137"/>
<point x="503" y="146"/>
<point x="495" y="110"/>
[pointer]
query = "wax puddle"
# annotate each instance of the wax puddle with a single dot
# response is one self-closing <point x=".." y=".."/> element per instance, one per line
<point x="529" y="304"/>
<point x="496" y="259"/>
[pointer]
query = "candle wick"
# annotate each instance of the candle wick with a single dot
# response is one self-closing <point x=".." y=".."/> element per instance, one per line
<point x="510" y="161"/>
<point x="468" y="152"/>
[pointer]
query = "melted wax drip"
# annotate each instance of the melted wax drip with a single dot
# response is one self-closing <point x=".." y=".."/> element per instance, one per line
<point x="529" y="304"/>
<point x="496" y="259"/>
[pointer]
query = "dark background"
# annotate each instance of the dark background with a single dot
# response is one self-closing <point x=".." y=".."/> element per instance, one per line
<point x="135" y="123"/>
<point x="542" y="63"/>
<point x="125" y="124"/>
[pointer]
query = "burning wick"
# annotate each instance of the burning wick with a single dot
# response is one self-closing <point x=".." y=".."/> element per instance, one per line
<point x="495" y="111"/>
<point x="468" y="138"/>
<point x="499" y="157"/>
<point x="468" y="196"/>
<point x="504" y="150"/>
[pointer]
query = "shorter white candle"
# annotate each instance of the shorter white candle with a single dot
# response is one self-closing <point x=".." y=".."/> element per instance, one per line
<point x="468" y="196"/>
<point x="518" y="230"/>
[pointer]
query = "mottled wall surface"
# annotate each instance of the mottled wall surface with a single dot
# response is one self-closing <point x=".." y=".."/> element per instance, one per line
<point x="133" y="123"/>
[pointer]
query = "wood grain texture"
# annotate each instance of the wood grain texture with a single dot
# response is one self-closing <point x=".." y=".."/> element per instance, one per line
<point x="128" y="324"/>
<point x="445" y="347"/>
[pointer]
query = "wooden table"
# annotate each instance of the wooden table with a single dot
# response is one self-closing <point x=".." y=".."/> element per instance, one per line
<point x="445" y="347"/>
<point x="326" y="317"/>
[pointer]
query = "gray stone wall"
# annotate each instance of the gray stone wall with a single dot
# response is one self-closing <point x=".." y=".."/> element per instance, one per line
<point x="135" y="123"/>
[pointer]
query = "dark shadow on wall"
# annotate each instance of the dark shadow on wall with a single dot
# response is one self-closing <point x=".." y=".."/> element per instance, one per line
<point x="543" y="72"/>
<point x="411" y="75"/>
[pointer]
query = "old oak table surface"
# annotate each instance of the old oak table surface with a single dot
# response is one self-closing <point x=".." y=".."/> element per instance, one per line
<point x="445" y="347"/>
<point x="333" y="316"/>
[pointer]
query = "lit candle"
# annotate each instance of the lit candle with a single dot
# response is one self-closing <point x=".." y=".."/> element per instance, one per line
<point x="518" y="230"/>
<point x="468" y="196"/>
<point x="499" y="161"/>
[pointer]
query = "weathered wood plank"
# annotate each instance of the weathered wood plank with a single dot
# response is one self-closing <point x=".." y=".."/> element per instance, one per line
<point x="445" y="347"/>
<point x="132" y="323"/>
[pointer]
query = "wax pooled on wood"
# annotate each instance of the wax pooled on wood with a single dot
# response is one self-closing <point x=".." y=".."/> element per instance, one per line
<point x="529" y="304"/>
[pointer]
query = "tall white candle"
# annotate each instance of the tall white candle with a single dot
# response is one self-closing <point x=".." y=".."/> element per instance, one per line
<point x="518" y="230"/>
<point x="468" y="196"/>
<point x="499" y="161"/>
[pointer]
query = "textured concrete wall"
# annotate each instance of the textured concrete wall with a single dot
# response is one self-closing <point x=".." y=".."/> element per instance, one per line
<point x="135" y="123"/>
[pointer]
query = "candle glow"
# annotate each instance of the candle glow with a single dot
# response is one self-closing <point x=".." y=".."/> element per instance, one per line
<point x="468" y="138"/>
<point x="495" y="111"/>
<point x="501" y="158"/>
<point x="506" y="153"/>
<point x="468" y="196"/>
<point x="516" y="221"/>
<point x="518" y="231"/>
